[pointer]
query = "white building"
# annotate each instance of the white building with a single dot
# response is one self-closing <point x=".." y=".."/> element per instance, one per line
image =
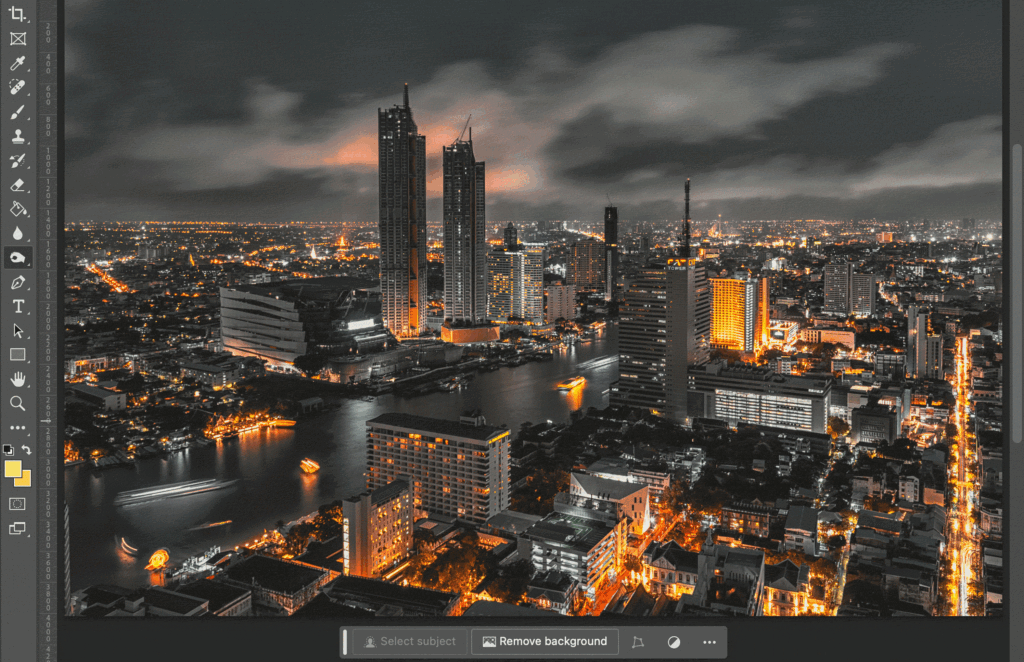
<point x="458" y="468"/>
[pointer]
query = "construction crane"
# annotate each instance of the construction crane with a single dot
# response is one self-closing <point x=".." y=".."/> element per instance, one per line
<point x="464" y="127"/>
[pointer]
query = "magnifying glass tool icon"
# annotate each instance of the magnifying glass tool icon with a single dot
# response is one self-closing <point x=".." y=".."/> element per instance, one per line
<point x="16" y="402"/>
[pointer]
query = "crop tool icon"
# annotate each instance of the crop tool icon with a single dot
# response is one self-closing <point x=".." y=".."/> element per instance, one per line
<point x="22" y="477"/>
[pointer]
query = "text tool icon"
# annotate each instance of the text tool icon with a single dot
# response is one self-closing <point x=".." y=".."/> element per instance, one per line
<point x="17" y="403"/>
<point x="22" y="477"/>
<point x="15" y="114"/>
<point x="17" y="308"/>
<point x="19" y="377"/>
<point x="18" y="39"/>
<point x="17" y="63"/>
<point x="16" y="186"/>
<point x="18" y="14"/>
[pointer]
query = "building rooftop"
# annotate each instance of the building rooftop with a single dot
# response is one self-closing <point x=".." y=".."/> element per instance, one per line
<point x="511" y="521"/>
<point x="607" y="489"/>
<point x="308" y="288"/>
<point x="173" y="601"/>
<point x="577" y="532"/>
<point x="274" y="574"/>
<point x="218" y="594"/>
<point x="383" y="494"/>
<point x="438" y="426"/>
<point x="379" y="592"/>
<point x="802" y="518"/>
<point x="488" y="608"/>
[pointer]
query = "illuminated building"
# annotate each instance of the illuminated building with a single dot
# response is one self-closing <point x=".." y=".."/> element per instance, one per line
<point x="377" y="528"/>
<point x="845" y="336"/>
<point x="924" y="350"/>
<point x="789" y="592"/>
<point x="739" y="313"/>
<point x="402" y="160"/>
<point x="586" y="268"/>
<point x="847" y="292"/>
<point x="782" y="332"/>
<point x="611" y="251"/>
<point x="586" y="547"/>
<point x="458" y="468"/>
<point x="664" y="326"/>
<point x="728" y="579"/>
<point x="669" y="569"/>
<point x="560" y="303"/>
<point x="515" y="284"/>
<point x="759" y="396"/>
<point x="624" y="500"/>
<point x="278" y="322"/>
<point x="883" y="237"/>
<point x="747" y="518"/>
<point x="465" y="246"/>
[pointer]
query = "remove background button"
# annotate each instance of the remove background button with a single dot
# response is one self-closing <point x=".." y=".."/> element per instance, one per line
<point x="546" y="642"/>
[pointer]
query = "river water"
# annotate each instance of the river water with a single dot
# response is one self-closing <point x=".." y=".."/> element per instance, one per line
<point x="271" y="486"/>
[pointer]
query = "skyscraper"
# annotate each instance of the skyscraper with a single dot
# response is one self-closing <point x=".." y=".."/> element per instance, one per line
<point x="402" y="196"/>
<point x="739" y="313"/>
<point x="465" y="246"/>
<point x="837" y="287"/>
<point x="924" y="351"/>
<point x="515" y="284"/>
<point x="849" y="293"/>
<point x="511" y="236"/>
<point x="586" y="268"/>
<point x="611" y="251"/>
<point x="664" y="327"/>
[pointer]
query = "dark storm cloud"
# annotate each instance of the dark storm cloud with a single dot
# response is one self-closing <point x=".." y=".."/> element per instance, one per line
<point x="204" y="109"/>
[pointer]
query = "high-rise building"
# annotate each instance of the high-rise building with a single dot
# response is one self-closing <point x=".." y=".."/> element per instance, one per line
<point x="402" y="196"/>
<point x="561" y="303"/>
<point x="586" y="268"/>
<point x="924" y="350"/>
<point x="511" y="236"/>
<point x="664" y="326"/>
<point x="516" y="284"/>
<point x="847" y="292"/>
<point x="465" y="241"/>
<point x="863" y="288"/>
<point x="611" y="251"/>
<point x="377" y="528"/>
<point x="739" y="313"/>
<point x="458" y="468"/>
<point x="837" y="287"/>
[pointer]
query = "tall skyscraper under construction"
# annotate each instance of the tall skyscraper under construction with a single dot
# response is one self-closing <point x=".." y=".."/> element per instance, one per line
<point x="611" y="251"/>
<point x="402" y="161"/>
<point x="465" y="245"/>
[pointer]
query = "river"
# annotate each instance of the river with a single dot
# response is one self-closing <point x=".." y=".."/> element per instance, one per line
<point x="271" y="487"/>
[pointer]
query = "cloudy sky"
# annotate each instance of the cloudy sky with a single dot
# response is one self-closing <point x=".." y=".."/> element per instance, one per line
<point x="267" y="110"/>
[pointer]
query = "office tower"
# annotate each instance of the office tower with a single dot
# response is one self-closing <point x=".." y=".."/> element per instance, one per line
<point x="465" y="245"/>
<point x="837" y="287"/>
<point x="849" y="293"/>
<point x="883" y="237"/>
<point x="759" y="396"/>
<point x="863" y="288"/>
<point x="611" y="251"/>
<point x="516" y="284"/>
<point x="511" y="236"/>
<point x="586" y="268"/>
<point x="561" y="303"/>
<point x="664" y="326"/>
<point x="458" y="468"/>
<point x="402" y="159"/>
<point x="377" y="528"/>
<point x="739" y="313"/>
<point x="924" y="350"/>
<point x="279" y="322"/>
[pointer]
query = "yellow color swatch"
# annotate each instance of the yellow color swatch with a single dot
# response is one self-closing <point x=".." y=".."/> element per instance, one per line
<point x="25" y="480"/>
<point x="12" y="469"/>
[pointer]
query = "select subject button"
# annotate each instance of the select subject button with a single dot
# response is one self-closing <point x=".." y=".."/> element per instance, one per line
<point x="412" y="642"/>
